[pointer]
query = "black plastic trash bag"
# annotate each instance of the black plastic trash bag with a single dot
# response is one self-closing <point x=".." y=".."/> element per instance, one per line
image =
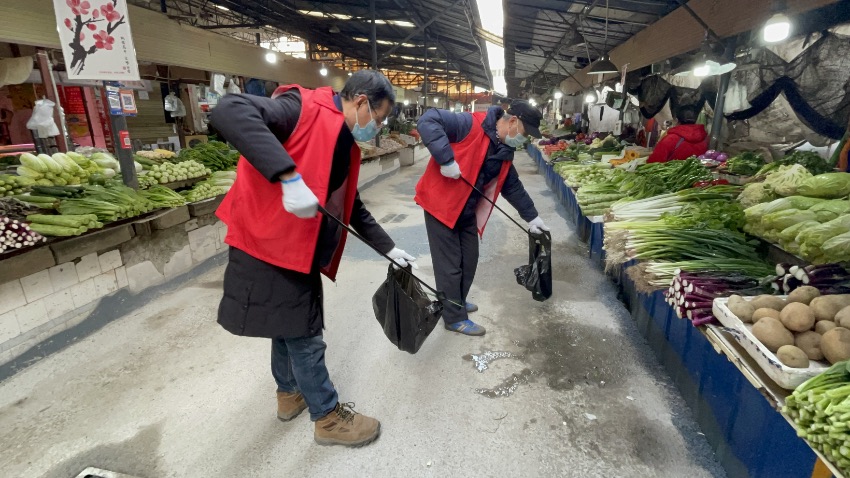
<point x="537" y="275"/>
<point x="406" y="314"/>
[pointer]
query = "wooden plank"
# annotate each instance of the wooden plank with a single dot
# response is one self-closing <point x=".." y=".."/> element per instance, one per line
<point x="679" y="32"/>
<point x="15" y="266"/>
<point x="205" y="207"/>
<point x="98" y="241"/>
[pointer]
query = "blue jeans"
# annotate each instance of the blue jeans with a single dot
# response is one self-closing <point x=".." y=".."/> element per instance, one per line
<point x="298" y="365"/>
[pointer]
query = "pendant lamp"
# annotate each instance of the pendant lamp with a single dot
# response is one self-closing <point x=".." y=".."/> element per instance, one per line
<point x="604" y="64"/>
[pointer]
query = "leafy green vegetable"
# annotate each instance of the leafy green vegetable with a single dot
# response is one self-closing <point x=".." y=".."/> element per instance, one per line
<point x="214" y="155"/>
<point x="808" y="159"/>
<point x="827" y="185"/>
<point x="747" y="163"/>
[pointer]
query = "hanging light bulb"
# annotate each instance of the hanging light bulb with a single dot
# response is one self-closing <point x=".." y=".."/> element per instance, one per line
<point x="604" y="64"/>
<point x="271" y="57"/>
<point x="436" y="100"/>
<point x="558" y="95"/>
<point x="777" y="28"/>
<point x="406" y="102"/>
<point x="323" y="71"/>
<point x="590" y="98"/>
<point x="532" y="102"/>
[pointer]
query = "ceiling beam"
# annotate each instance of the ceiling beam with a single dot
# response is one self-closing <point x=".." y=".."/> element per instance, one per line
<point x="421" y="28"/>
<point x="678" y="32"/>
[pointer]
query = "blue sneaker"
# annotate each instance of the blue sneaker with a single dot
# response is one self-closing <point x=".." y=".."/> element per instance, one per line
<point x="467" y="327"/>
<point x="470" y="308"/>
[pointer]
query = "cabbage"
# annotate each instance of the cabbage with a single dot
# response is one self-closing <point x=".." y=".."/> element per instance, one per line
<point x="837" y="249"/>
<point x="829" y="210"/>
<point x="755" y="213"/>
<point x="812" y="239"/>
<point x="755" y="193"/>
<point x="784" y="182"/>
<point x="790" y="233"/>
<point x="792" y="202"/>
<point x="787" y="218"/>
<point x="828" y="185"/>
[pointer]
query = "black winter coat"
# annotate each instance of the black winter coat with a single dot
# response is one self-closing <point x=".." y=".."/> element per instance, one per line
<point x="260" y="299"/>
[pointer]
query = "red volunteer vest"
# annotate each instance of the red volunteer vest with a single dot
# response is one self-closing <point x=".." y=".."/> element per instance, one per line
<point x="444" y="198"/>
<point x="253" y="210"/>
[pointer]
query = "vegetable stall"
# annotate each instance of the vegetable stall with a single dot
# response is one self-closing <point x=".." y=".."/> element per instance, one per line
<point x="72" y="194"/>
<point x="692" y="245"/>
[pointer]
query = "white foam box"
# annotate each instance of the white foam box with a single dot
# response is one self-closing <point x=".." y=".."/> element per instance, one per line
<point x="786" y="377"/>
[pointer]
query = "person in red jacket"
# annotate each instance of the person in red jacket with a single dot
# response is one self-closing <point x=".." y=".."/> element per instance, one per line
<point x="298" y="152"/>
<point x="682" y="141"/>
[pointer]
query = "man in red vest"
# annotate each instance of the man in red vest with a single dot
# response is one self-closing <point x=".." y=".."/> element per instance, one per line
<point x="480" y="148"/>
<point x="298" y="152"/>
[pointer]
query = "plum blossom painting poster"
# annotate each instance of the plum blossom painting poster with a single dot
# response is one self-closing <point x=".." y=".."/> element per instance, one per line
<point x="96" y="39"/>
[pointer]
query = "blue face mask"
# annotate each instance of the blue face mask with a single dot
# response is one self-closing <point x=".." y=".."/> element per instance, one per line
<point x="515" y="141"/>
<point x="367" y="132"/>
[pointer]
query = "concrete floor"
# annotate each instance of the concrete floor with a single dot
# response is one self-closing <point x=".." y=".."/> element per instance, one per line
<point x="163" y="391"/>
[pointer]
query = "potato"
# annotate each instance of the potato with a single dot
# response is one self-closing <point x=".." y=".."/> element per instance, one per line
<point x="772" y="333"/>
<point x="797" y="317"/>
<point x="760" y="313"/>
<point x="803" y="295"/>
<point x="842" y="318"/>
<point x="824" y="326"/>
<point x="741" y="308"/>
<point x="768" y="302"/>
<point x="835" y="344"/>
<point x="826" y="306"/>
<point x="792" y="356"/>
<point x="809" y="342"/>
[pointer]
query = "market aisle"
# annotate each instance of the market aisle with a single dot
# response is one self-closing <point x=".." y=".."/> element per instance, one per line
<point x="165" y="392"/>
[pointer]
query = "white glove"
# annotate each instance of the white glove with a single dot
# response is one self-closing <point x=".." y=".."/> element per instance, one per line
<point x="298" y="199"/>
<point x="536" y="226"/>
<point x="451" y="170"/>
<point x="402" y="258"/>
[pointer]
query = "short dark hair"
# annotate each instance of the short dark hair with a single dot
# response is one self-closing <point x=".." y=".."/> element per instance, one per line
<point x="687" y="114"/>
<point x="371" y="83"/>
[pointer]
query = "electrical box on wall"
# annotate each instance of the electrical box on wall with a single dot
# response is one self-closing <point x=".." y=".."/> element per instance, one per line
<point x="195" y="140"/>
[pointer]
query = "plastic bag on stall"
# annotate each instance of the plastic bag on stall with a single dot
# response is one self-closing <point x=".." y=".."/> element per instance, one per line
<point x="42" y="119"/>
<point x="217" y="84"/>
<point x="233" y="87"/>
<point x="537" y="275"/>
<point x="175" y="106"/>
<point x="404" y="311"/>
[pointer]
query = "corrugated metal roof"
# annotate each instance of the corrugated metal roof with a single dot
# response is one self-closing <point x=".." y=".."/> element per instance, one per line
<point x="453" y="33"/>
<point x="546" y="40"/>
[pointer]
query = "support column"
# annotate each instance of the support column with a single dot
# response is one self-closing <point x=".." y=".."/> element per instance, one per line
<point x="121" y="138"/>
<point x="717" y="122"/>
<point x="425" y="76"/>
<point x="46" y="70"/>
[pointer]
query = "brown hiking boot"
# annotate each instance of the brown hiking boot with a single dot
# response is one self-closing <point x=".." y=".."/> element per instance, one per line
<point x="344" y="426"/>
<point x="290" y="405"/>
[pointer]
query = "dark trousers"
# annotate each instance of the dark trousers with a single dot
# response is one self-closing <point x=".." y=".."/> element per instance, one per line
<point x="454" y="253"/>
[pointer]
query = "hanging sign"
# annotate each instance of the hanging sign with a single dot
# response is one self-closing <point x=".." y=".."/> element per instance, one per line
<point x="96" y="39"/>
